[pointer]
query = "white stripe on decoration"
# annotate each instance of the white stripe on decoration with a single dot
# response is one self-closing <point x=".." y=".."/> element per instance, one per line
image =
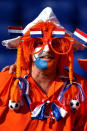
<point x="28" y="99"/>
<point x="36" y="111"/>
<point x="80" y="36"/>
<point x="35" y="32"/>
<point x="14" y="31"/>
<point x="62" y="111"/>
<point x="58" y="32"/>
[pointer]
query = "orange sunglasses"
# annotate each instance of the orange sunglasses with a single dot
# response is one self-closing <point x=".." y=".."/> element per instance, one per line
<point x="60" y="46"/>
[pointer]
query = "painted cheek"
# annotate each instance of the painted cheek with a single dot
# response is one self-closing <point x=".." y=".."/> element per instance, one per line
<point x="41" y="64"/>
<point x="46" y="48"/>
<point x="35" y="56"/>
<point x="37" y="49"/>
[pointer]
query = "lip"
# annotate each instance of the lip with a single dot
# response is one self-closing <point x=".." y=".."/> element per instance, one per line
<point x="47" y="58"/>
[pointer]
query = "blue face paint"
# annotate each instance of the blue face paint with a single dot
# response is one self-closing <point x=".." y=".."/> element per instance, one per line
<point x="41" y="64"/>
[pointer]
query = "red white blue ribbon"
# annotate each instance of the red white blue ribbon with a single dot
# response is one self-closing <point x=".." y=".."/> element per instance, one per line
<point x="38" y="112"/>
<point x="58" y="32"/>
<point x="81" y="92"/>
<point x="24" y="86"/>
<point x="17" y="31"/>
<point x="58" y="111"/>
<point x="80" y="36"/>
<point x="35" y="32"/>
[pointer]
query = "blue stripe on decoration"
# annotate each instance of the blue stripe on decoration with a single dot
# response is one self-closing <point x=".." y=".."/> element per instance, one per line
<point x="79" y="39"/>
<point x="57" y="35"/>
<point x="16" y="34"/>
<point x="35" y="35"/>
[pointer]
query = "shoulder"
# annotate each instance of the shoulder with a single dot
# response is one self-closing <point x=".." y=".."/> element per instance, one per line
<point x="5" y="79"/>
<point x="5" y="76"/>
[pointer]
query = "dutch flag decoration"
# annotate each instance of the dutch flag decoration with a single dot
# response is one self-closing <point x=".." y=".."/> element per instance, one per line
<point x="58" y="32"/>
<point x="35" y="32"/>
<point x="58" y="111"/>
<point x="24" y="86"/>
<point x="81" y="92"/>
<point x="38" y="112"/>
<point x="80" y="36"/>
<point x="16" y="31"/>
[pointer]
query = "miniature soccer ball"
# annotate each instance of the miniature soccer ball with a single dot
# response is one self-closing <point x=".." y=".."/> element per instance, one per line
<point x="74" y="104"/>
<point x="14" y="105"/>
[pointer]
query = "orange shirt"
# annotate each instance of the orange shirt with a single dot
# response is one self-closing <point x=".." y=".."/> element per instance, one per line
<point x="21" y="120"/>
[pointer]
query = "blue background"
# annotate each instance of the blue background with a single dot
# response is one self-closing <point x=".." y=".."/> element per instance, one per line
<point x="71" y="14"/>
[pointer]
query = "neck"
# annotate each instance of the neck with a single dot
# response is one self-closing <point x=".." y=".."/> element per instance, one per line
<point x="43" y="78"/>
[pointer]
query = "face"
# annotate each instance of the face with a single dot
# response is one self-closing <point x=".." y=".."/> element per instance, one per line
<point x="46" y="59"/>
<point x="53" y="45"/>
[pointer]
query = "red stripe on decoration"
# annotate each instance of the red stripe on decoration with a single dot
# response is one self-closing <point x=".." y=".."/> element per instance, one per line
<point x="15" y="28"/>
<point x="59" y="29"/>
<point x="35" y="29"/>
<point x="82" y="33"/>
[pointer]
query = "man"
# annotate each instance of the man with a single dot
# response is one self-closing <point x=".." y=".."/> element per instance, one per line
<point x="43" y="98"/>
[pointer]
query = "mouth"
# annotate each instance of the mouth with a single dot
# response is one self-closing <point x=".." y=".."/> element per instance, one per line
<point x="46" y="57"/>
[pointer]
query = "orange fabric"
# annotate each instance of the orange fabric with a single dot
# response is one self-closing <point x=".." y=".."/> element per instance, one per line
<point x="83" y="63"/>
<point x="85" y="128"/>
<point x="21" y="120"/>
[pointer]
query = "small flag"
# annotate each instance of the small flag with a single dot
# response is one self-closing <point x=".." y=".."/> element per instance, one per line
<point x="38" y="112"/>
<point x="80" y="36"/>
<point x="58" y="111"/>
<point x="58" y="32"/>
<point x="35" y="32"/>
<point x="17" y="31"/>
<point x="24" y="86"/>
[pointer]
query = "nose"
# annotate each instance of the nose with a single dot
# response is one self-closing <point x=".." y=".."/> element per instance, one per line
<point x="46" y="48"/>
